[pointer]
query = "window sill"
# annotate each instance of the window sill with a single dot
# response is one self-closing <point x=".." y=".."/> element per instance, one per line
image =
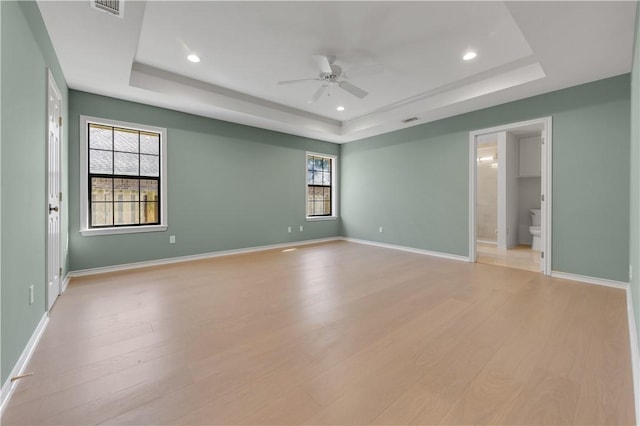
<point x="122" y="230"/>
<point x="321" y="218"/>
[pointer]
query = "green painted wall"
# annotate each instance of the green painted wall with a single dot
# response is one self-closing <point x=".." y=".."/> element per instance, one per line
<point x="230" y="187"/>
<point x="634" y="194"/>
<point x="415" y="182"/>
<point x="26" y="54"/>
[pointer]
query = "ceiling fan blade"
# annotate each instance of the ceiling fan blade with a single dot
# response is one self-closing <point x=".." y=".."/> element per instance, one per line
<point x="323" y="63"/>
<point x="354" y="90"/>
<point x="280" y="83"/>
<point x="318" y="94"/>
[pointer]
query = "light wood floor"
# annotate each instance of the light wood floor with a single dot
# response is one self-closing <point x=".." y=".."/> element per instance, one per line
<point x="519" y="257"/>
<point x="338" y="333"/>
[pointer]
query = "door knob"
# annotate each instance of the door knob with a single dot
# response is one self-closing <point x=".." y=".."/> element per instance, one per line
<point x="53" y="209"/>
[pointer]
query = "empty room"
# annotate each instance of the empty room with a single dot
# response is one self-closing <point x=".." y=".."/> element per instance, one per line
<point x="319" y="212"/>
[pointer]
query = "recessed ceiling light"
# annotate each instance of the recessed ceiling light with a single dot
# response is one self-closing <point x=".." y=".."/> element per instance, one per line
<point x="340" y="108"/>
<point x="193" y="58"/>
<point x="469" y="56"/>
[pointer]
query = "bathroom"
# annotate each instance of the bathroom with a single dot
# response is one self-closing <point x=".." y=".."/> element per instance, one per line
<point x="508" y="227"/>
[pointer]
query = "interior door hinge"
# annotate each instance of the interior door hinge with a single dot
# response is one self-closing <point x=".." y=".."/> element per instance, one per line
<point x="60" y="272"/>
<point x="60" y="121"/>
<point x="542" y="255"/>
<point x="60" y="196"/>
<point x="542" y="197"/>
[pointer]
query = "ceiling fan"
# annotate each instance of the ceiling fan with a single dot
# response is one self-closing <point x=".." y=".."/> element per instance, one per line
<point x="330" y="75"/>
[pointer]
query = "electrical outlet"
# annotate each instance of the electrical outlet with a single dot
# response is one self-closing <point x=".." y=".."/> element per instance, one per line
<point x="172" y="239"/>
<point x="301" y="228"/>
<point x="31" y="295"/>
<point x="380" y="229"/>
<point x="289" y="229"/>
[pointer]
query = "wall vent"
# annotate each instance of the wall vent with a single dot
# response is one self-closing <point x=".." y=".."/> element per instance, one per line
<point x="409" y="120"/>
<point x="113" y="7"/>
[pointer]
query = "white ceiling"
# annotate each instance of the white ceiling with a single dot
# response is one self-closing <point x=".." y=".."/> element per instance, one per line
<point x="407" y="55"/>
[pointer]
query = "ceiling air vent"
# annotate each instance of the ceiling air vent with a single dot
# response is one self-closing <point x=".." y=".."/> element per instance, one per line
<point x="113" y="7"/>
<point x="409" y="120"/>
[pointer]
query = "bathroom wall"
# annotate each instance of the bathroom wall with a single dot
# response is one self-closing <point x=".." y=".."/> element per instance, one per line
<point x="529" y="198"/>
<point x="529" y="190"/>
<point x="511" y="190"/>
<point x="487" y="192"/>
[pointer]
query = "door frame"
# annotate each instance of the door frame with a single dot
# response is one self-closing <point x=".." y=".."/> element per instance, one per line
<point x="52" y="86"/>
<point x="546" y="187"/>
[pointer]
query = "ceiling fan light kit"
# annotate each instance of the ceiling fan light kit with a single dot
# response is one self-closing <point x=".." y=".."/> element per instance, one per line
<point x="330" y="75"/>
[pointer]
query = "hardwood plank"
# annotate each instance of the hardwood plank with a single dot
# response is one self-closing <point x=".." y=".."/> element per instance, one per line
<point x="337" y="333"/>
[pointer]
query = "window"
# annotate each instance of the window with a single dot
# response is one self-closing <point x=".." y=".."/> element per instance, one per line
<point x="123" y="177"/>
<point x="321" y="183"/>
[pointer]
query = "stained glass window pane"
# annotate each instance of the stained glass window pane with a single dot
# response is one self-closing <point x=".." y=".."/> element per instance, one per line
<point x="125" y="140"/>
<point x="149" y="165"/>
<point x="100" y="162"/>
<point x="125" y="164"/>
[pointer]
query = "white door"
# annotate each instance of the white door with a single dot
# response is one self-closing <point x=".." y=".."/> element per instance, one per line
<point x="54" y="123"/>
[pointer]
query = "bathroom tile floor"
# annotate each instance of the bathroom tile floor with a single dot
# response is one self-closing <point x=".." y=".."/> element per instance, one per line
<point x="519" y="257"/>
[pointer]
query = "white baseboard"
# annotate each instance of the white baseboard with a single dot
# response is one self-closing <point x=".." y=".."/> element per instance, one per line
<point x="9" y="386"/>
<point x="65" y="283"/>
<point x="590" y="280"/>
<point x="635" y="353"/>
<point x="409" y="249"/>
<point x="166" y="261"/>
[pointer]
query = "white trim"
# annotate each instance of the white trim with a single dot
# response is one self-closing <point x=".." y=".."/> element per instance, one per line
<point x="65" y="283"/>
<point x="53" y="91"/>
<point x="18" y="369"/>
<point x="546" y="176"/>
<point x="409" y="249"/>
<point x="169" y="260"/>
<point x="122" y="230"/>
<point x="84" y="202"/>
<point x="320" y="218"/>
<point x="590" y="280"/>
<point x="334" y="186"/>
<point x="635" y="353"/>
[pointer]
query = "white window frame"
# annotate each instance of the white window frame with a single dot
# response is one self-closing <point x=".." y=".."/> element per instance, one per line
<point x="334" y="185"/>
<point x="84" y="179"/>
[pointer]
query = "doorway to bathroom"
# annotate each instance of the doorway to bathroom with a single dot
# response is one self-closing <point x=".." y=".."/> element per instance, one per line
<point x="510" y="195"/>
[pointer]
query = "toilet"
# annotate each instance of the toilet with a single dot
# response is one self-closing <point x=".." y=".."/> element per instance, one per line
<point x="534" y="229"/>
